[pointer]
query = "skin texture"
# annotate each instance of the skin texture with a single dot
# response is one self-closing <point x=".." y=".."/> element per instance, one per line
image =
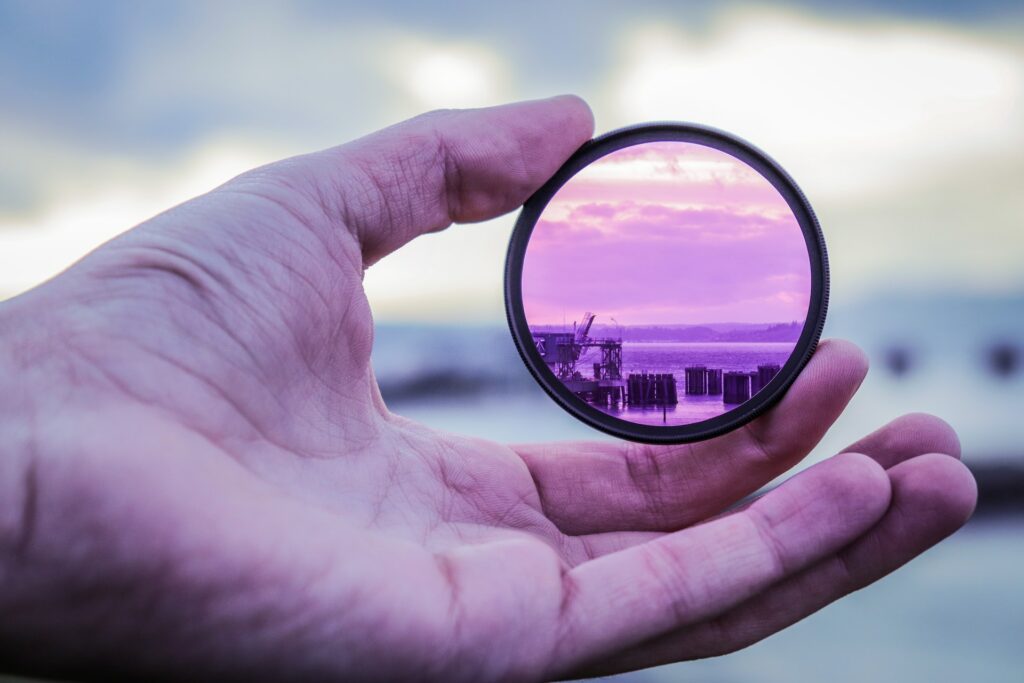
<point x="199" y="479"/>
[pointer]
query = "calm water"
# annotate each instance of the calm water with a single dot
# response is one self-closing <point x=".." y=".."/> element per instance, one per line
<point x="674" y="357"/>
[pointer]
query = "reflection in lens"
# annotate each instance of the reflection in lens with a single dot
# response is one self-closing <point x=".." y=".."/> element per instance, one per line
<point x="666" y="283"/>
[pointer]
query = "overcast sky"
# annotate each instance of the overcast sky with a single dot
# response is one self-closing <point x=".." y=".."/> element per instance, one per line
<point x="904" y="129"/>
<point x="667" y="233"/>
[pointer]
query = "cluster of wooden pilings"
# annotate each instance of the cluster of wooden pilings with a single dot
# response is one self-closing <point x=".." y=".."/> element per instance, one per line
<point x="702" y="381"/>
<point x="740" y="386"/>
<point x="659" y="389"/>
<point x="733" y="386"/>
<point x="652" y="389"/>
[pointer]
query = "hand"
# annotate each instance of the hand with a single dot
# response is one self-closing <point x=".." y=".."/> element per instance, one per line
<point x="199" y="479"/>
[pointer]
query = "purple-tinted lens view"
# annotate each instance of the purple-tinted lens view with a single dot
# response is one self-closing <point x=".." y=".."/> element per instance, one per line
<point x="666" y="283"/>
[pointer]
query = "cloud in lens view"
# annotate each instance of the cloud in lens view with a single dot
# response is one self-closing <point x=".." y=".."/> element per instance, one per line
<point x="667" y="233"/>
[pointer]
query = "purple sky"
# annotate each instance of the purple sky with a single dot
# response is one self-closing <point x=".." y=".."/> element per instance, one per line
<point x="663" y="233"/>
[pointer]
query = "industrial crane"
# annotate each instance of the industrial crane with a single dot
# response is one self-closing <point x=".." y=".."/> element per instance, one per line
<point x="562" y="350"/>
<point x="583" y="329"/>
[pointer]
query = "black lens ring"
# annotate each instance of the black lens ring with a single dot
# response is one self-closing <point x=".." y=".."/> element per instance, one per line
<point x="759" y="402"/>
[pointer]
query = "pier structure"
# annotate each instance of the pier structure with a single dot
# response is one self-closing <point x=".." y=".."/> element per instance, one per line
<point x="755" y="382"/>
<point x="561" y="352"/>
<point x="759" y="378"/>
<point x="703" y="381"/>
<point x="766" y="373"/>
<point x="714" y="379"/>
<point x="652" y="389"/>
<point x="735" y="387"/>
<point x="696" y="380"/>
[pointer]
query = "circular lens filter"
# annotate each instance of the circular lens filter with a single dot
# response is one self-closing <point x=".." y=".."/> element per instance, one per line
<point x="667" y="284"/>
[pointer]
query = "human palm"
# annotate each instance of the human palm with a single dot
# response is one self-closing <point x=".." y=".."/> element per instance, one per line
<point x="202" y="481"/>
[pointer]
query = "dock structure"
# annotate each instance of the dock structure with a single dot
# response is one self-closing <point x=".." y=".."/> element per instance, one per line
<point x="562" y="351"/>
<point x="735" y="387"/>
<point x="714" y="378"/>
<point x="565" y="353"/>
<point x="696" y="380"/>
<point x="755" y="382"/>
<point x="766" y="373"/>
<point x="759" y="378"/>
<point x="652" y="389"/>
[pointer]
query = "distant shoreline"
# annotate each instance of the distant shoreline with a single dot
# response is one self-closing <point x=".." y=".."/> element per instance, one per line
<point x="713" y="332"/>
<point x="712" y="341"/>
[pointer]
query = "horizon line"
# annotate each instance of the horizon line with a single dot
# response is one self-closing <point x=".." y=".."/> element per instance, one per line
<point x="624" y="326"/>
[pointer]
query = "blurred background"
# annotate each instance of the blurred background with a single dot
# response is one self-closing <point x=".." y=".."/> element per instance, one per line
<point x="901" y="121"/>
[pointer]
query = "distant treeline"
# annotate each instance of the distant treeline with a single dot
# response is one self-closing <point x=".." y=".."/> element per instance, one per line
<point x="717" y="332"/>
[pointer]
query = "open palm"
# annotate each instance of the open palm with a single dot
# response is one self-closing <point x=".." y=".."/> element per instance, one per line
<point x="201" y="481"/>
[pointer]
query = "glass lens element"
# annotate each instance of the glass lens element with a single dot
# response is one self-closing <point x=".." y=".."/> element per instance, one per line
<point x="666" y="283"/>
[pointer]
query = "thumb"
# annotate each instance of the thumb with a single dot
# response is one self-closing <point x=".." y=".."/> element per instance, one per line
<point x="445" y="166"/>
